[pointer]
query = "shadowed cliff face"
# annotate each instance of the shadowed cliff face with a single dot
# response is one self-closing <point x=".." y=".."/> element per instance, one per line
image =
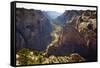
<point x="70" y="41"/>
<point x="32" y="29"/>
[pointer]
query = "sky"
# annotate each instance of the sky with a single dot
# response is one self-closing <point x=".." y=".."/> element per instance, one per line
<point x="57" y="8"/>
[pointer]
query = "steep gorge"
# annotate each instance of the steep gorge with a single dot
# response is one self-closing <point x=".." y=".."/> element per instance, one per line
<point x="63" y="36"/>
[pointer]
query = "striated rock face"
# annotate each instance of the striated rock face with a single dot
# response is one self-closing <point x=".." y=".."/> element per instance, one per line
<point x="32" y="29"/>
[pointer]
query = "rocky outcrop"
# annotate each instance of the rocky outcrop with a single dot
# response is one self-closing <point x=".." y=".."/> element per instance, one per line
<point x="74" y="41"/>
<point x="32" y="29"/>
<point x="27" y="57"/>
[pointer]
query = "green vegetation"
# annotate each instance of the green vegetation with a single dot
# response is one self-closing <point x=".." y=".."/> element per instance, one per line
<point x="29" y="57"/>
<point x="54" y="35"/>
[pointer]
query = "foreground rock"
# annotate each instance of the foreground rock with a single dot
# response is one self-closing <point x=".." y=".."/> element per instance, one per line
<point x="27" y="57"/>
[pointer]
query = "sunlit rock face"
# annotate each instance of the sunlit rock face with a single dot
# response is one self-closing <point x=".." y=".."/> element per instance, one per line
<point x="88" y="30"/>
<point x="32" y="29"/>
